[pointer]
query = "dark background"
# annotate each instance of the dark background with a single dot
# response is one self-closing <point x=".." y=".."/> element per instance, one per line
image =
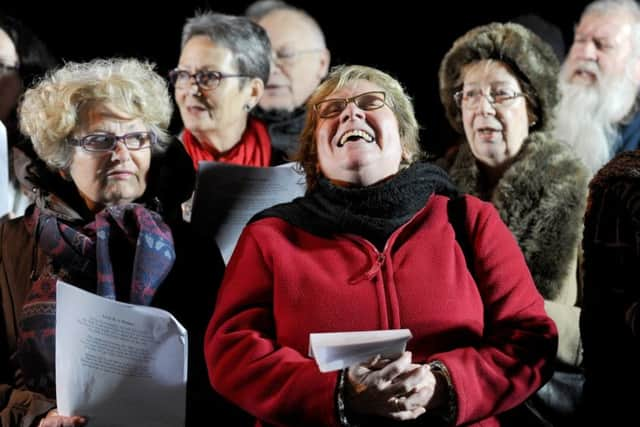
<point x="406" y="38"/>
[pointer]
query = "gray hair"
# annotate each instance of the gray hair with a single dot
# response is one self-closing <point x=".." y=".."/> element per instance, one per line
<point x="628" y="7"/>
<point x="247" y="41"/>
<point x="261" y="8"/>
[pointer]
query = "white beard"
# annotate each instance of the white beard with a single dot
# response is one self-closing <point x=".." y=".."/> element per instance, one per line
<point x="587" y="116"/>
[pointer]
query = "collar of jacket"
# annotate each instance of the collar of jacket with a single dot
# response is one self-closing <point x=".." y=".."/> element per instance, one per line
<point x="541" y="198"/>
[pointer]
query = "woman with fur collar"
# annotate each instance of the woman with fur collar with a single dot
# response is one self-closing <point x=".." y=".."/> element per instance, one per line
<point x="498" y="88"/>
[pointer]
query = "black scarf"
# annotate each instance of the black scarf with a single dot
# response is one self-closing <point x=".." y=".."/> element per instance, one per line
<point x="372" y="212"/>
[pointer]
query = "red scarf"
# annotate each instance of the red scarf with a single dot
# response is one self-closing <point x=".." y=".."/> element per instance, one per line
<point x="253" y="149"/>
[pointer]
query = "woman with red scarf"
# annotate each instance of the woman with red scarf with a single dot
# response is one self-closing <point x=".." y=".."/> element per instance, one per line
<point x="220" y="76"/>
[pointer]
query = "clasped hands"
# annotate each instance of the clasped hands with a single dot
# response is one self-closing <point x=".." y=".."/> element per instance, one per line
<point x="391" y="387"/>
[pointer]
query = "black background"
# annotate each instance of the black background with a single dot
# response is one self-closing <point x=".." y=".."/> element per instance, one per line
<point x="406" y="38"/>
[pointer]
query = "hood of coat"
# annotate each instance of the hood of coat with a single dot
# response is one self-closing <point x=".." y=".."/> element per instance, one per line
<point x="541" y="198"/>
<point x="531" y="58"/>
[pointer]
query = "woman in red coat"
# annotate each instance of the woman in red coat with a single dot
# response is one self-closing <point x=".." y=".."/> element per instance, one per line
<point x="370" y="246"/>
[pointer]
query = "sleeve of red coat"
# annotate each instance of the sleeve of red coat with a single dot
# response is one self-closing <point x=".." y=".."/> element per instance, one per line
<point x="274" y="383"/>
<point x="515" y="356"/>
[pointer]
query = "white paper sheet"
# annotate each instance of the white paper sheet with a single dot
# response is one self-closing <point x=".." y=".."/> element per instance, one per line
<point x="227" y="196"/>
<point x="4" y="172"/>
<point x="339" y="350"/>
<point x="120" y="365"/>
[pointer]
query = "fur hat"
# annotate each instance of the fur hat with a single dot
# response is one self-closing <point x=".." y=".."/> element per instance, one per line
<point x="532" y="59"/>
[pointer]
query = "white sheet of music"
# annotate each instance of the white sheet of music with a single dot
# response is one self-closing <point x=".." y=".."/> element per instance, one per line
<point x="227" y="196"/>
<point x="339" y="350"/>
<point x="120" y="365"/>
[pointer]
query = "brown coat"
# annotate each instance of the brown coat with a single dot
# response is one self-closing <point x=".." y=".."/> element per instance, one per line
<point x="18" y="257"/>
<point x="188" y="293"/>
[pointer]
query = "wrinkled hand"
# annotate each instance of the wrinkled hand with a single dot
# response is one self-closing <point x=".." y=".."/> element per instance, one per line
<point x="393" y="387"/>
<point x="53" y="419"/>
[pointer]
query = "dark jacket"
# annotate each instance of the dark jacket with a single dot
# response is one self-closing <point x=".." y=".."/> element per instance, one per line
<point x="284" y="128"/>
<point x="172" y="178"/>
<point x="610" y="320"/>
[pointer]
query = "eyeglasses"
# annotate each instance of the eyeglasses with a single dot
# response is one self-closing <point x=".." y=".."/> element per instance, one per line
<point x="102" y="142"/>
<point x="289" y="57"/>
<point x="367" y="101"/>
<point x="205" y="79"/>
<point x="472" y="98"/>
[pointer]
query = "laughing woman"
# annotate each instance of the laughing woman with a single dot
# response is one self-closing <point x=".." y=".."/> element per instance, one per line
<point x="370" y="246"/>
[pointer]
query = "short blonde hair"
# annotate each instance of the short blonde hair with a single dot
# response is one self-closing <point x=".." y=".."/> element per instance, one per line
<point x="50" y="111"/>
<point x="396" y="98"/>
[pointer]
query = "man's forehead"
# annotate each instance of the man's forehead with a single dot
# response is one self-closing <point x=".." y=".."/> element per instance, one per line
<point x="612" y="26"/>
<point x="288" y="25"/>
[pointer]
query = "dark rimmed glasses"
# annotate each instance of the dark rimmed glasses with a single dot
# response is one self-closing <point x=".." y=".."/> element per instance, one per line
<point x="367" y="101"/>
<point x="102" y="142"/>
<point x="471" y="99"/>
<point x="205" y="79"/>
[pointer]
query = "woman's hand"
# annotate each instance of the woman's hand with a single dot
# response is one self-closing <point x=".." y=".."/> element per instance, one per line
<point x="393" y="388"/>
<point x="53" y="419"/>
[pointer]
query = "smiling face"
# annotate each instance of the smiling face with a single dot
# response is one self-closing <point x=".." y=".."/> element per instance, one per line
<point x="357" y="146"/>
<point x="495" y="132"/>
<point x="112" y="177"/>
<point x="208" y="112"/>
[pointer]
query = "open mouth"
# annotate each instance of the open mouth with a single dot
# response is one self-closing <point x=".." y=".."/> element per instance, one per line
<point x="119" y="174"/>
<point x="585" y="74"/>
<point x="488" y="130"/>
<point x="355" y="135"/>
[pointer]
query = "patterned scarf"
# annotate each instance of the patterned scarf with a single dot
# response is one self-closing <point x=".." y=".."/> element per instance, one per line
<point x="253" y="149"/>
<point x="85" y="257"/>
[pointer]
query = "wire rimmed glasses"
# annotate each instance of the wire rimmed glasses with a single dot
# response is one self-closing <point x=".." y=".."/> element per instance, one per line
<point x="367" y="101"/>
<point x="472" y="98"/>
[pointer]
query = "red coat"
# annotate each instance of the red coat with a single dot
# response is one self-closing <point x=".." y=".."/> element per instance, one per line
<point x="283" y="283"/>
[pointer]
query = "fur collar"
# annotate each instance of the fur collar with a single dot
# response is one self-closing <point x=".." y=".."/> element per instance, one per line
<point x="541" y="198"/>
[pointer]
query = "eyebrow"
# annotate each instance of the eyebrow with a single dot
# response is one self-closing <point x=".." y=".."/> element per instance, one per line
<point x="491" y="83"/>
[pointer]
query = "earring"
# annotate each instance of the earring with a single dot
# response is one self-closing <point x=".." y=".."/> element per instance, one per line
<point x="247" y="107"/>
<point x="532" y="124"/>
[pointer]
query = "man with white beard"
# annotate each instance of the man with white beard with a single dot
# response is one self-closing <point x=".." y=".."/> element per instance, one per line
<point x="598" y="114"/>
